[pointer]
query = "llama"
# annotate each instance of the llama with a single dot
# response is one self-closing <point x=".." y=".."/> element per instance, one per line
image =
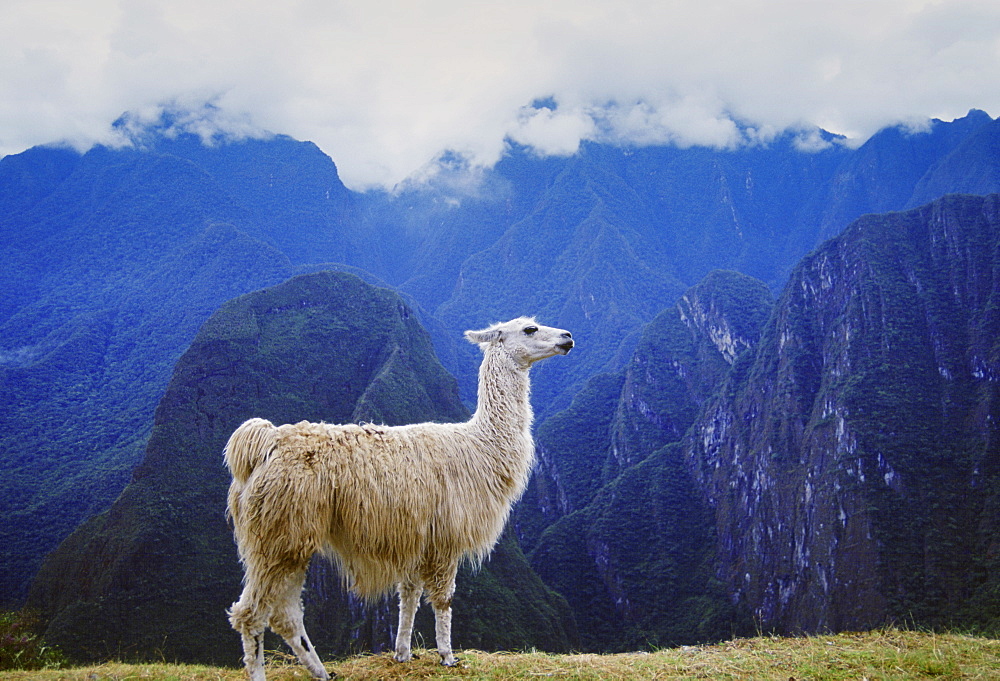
<point x="394" y="507"/>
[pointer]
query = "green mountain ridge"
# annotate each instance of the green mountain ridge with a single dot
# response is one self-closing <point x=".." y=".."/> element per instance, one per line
<point x="154" y="575"/>
<point x="632" y="549"/>
<point x="116" y="257"/>
<point x="873" y="390"/>
<point x="840" y="474"/>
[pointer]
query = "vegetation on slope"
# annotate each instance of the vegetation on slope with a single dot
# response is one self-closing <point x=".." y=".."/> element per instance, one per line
<point x="877" y="656"/>
<point x="156" y="572"/>
<point x="612" y="520"/>
<point x="115" y="258"/>
<point x="852" y="464"/>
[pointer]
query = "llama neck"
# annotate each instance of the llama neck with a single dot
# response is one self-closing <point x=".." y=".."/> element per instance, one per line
<point x="504" y="405"/>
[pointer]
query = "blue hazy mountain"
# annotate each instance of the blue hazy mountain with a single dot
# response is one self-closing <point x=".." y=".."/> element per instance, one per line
<point x="114" y="258"/>
<point x="318" y="346"/>
<point x="828" y="461"/>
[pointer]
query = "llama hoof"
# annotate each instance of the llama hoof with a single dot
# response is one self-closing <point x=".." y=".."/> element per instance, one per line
<point x="449" y="661"/>
<point x="319" y="673"/>
<point x="404" y="658"/>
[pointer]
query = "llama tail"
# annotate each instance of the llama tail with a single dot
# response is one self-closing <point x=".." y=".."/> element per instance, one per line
<point x="248" y="447"/>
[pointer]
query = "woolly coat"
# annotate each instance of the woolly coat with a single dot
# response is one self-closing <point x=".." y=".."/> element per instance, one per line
<point x="386" y="503"/>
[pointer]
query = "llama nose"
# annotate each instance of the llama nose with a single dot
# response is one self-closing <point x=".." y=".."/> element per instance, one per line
<point x="567" y="334"/>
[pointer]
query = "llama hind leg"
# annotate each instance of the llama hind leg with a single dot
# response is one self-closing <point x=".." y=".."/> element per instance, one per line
<point x="409" y="601"/>
<point x="265" y="600"/>
<point x="246" y="619"/>
<point x="287" y="622"/>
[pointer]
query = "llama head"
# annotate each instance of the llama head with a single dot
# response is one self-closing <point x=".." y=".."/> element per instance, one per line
<point x="524" y="339"/>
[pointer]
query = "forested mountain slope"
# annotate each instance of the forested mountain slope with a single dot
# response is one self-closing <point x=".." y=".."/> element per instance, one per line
<point x="153" y="576"/>
<point x="839" y="473"/>
<point x="107" y="278"/>
<point x="852" y="464"/>
<point x="113" y="259"/>
<point x="612" y="518"/>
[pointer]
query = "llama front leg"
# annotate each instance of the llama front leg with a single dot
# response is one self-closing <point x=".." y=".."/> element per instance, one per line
<point x="409" y="601"/>
<point x="440" y="592"/>
<point x="442" y="633"/>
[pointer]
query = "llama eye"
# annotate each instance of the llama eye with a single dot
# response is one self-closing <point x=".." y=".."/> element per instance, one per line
<point x="529" y="330"/>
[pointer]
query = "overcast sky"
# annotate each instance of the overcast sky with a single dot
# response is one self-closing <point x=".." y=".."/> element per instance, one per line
<point x="385" y="87"/>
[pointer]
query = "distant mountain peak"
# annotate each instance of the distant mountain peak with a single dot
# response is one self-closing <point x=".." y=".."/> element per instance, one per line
<point x="205" y="120"/>
<point x="977" y="116"/>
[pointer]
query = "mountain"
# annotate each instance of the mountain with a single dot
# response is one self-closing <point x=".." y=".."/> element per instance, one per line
<point x="115" y="257"/>
<point x="826" y="462"/>
<point x="852" y="466"/>
<point x="969" y="169"/>
<point x="154" y="575"/>
<point x="111" y="269"/>
<point x="612" y="519"/>
<point x="900" y="168"/>
<point x="602" y="241"/>
<point x="621" y="233"/>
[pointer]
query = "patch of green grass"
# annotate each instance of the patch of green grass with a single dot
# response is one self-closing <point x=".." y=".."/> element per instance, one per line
<point x="20" y="646"/>
<point x="875" y="656"/>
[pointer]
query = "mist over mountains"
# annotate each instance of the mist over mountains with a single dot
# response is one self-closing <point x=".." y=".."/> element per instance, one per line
<point x="116" y="257"/>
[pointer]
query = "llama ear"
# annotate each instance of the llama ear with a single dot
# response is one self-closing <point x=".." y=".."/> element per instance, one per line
<point x="483" y="337"/>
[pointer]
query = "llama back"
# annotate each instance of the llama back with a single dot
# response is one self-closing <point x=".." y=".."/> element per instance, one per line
<point x="372" y="495"/>
<point x="380" y="493"/>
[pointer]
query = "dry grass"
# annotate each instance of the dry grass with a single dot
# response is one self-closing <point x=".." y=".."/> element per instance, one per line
<point x="879" y="655"/>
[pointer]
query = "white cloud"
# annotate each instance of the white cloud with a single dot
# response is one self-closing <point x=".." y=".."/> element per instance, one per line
<point x="552" y="133"/>
<point x="811" y="141"/>
<point x="689" y="121"/>
<point x="385" y="86"/>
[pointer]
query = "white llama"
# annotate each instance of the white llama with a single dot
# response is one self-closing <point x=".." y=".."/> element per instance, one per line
<point x="394" y="507"/>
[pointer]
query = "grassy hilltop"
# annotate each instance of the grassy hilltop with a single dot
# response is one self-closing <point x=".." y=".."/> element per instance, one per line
<point x="883" y="654"/>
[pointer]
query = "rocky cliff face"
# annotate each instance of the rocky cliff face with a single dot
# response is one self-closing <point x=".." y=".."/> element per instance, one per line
<point x="619" y="419"/>
<point x="851" y="465"/>
<point x="154" y="575"/>
<point x="612" y="518"/>
<point x="114" y="258"/>
<point x="829" y="463"/>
